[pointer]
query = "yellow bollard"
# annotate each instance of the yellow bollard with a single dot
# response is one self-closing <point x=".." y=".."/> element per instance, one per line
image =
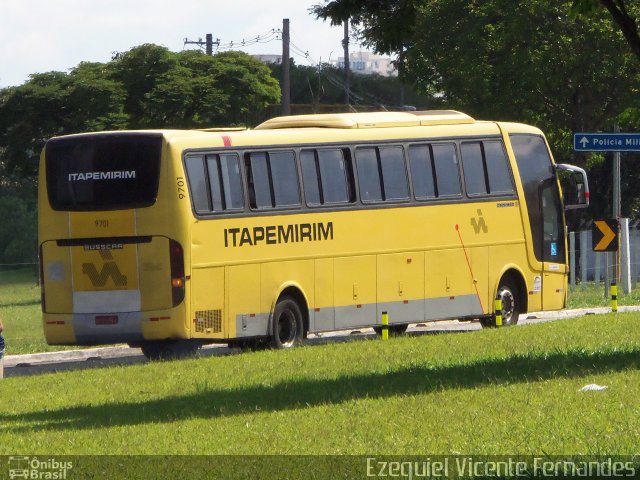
<point x="498" y="308"/>
<point x="385" y="326"/>
<point x="614" y="298"/>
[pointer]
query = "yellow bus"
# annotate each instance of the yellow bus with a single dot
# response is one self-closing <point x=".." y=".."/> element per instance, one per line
<point x="171" y="239"/>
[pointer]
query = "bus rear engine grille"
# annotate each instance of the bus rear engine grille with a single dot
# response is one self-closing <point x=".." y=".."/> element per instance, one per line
<point x="209" y="321"/>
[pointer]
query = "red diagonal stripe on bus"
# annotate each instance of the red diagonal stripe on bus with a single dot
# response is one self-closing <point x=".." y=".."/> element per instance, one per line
<point x="226" y="140"/>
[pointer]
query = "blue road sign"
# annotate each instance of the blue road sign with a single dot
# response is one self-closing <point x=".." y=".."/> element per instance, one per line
<point x="606" y="142"/>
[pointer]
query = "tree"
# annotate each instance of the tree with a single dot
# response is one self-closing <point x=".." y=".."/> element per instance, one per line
<point x="517" y="60"/>
<point x="247" y="84"/>
<point x="139" y="71"/>
<point x="18" y="236"/>
<point x="324" y="84"/>
<point x="624" y="13"/>
<point x="190" y="89"/>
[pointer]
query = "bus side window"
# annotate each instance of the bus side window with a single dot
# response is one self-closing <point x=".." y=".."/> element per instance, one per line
<point x="349" y="175"/>
<point x="382" y="175"/>
<point x="394" y="174"/>
<point x="334" y="176"/>
<point x="368" y="175"/>
<point x="311" y="181"/>
<point x="486" y="170"/>
<point x="326" y="176"/>
<point x="422" y="171"/>
<point x="284" y="179"/>
<point x="198" y="183"/>
<point x="251" y="191"/>
<point x="215" y="182"/>
<point x="225" y="182"/>
<point x="272" y="179"/>
<point x="260" y="177"/>
<point x="473" y="166"/>
<point x="498" y="171"/>
<point x="446" y="167"/>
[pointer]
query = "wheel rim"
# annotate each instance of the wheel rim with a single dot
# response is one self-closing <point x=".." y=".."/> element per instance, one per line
<point x="508" y="305"/>
<point x="287" y="328"/>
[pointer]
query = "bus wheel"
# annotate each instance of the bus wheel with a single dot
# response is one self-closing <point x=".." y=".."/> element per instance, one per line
<point x="170" y="349"/>
<point x="508" y="293"/>
<point x="288" y="328"/>
<point x="393" y="329"/>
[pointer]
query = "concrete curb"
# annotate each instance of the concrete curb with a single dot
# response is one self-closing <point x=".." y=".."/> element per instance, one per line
<point x="117" y="351"/>
<point x="121" y="351"/>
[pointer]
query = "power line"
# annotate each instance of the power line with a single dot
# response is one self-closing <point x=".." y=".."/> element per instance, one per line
<point x="275" y="34"/>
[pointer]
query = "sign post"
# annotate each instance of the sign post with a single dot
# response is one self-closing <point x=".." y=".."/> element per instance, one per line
<point x="612" y="142"/>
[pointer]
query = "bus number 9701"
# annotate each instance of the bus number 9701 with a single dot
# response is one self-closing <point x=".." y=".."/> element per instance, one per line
<point x="180" y="184"/>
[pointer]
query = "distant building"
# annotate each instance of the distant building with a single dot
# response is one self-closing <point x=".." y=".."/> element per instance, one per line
<point x="368" y="63"/>
<point x="273" y="58"/>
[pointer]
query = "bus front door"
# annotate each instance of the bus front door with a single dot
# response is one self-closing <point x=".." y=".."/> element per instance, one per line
<point x="554" y="275"/>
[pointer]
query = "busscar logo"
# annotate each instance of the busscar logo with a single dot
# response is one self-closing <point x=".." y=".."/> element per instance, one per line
<point x="38" y="468"/>
<point x="109" y="270"/>
<point x="112" y="175"/>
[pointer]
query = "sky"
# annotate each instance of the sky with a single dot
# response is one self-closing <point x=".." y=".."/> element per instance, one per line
<point x="44" y="35"/>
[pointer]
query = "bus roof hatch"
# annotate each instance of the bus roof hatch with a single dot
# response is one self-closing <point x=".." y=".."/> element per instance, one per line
<point x="368" y="120"/>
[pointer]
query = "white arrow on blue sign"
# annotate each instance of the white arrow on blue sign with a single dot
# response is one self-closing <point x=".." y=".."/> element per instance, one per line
<point x="606" y="142"/>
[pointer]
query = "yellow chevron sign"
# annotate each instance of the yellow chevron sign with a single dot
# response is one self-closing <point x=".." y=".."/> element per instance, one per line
<point x="604" y="235"/>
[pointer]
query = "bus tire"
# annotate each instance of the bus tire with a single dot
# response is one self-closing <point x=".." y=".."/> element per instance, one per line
<point x="508" y="292"/>
<point x="287" y="324"/>
<point x="169" y="349"/>
<point x="394" y="330"/>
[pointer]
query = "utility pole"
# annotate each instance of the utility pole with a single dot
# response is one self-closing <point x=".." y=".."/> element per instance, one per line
<point x="345" y="45"/>
<point x="208" y="43"/>
<point x="285" y="85"/>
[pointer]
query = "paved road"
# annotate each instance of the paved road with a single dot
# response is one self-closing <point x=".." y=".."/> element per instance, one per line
<point x="40" y="363"/>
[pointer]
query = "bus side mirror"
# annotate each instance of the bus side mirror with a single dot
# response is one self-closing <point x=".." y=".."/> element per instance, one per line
<point x="575" y="186"/>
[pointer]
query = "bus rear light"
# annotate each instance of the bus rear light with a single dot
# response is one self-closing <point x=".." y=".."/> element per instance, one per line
<point x="176" y="258"/>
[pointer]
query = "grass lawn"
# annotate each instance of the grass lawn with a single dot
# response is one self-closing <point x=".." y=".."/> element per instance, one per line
<point x="589" y="295"/>
<point x="20" y="311"/>
<point x="501" y="391"/>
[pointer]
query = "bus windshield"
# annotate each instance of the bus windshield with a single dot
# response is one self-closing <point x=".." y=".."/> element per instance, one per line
<point x="103" y="172"/>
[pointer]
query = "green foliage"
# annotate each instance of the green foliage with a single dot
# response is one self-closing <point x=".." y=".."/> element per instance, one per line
<point x="19" y="224"/>
<point x="325" y="85"/>
<point x="247" y="84"/>
<point x="624" y="14"/>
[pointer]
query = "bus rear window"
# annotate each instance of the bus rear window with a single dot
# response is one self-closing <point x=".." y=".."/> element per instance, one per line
<point x="103" y="171"/>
